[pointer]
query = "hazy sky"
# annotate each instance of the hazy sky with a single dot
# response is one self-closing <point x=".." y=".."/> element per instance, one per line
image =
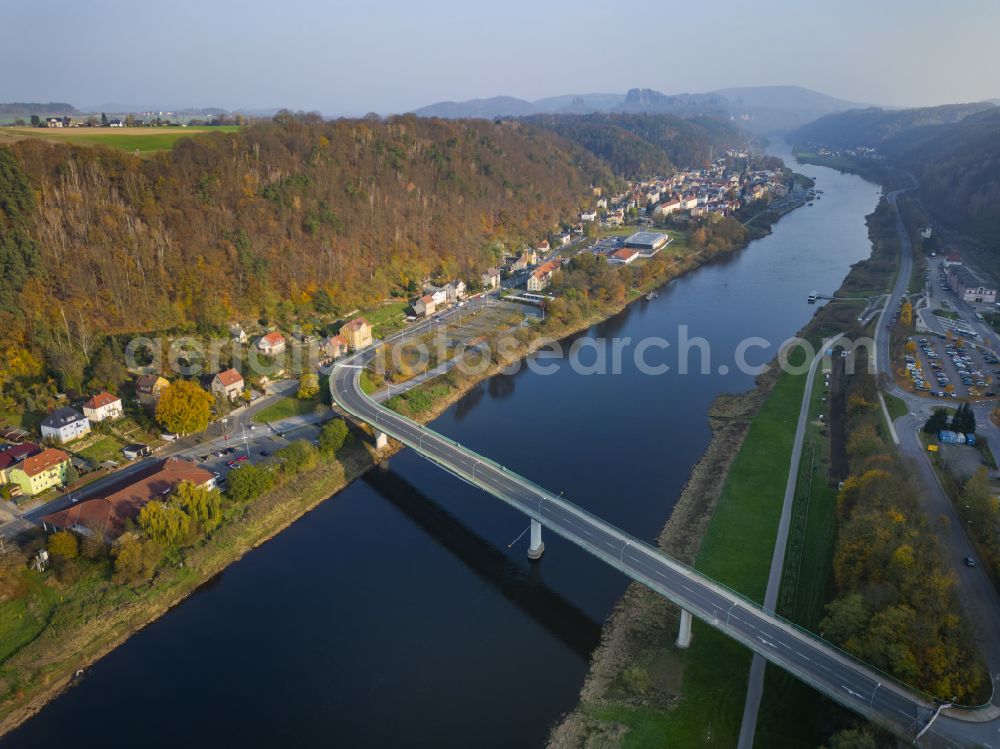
<point x="396" y="55"/>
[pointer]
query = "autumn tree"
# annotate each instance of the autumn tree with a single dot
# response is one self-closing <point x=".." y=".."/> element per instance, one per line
<point x="184" y="407"/>
<point x="64" y="546"/>
<point x="202" y="504"/>
<point x="163" y="523"/>
<point x="135" y="560"/>
<point x="308" y="386"/>
<point x="906" y="314"/>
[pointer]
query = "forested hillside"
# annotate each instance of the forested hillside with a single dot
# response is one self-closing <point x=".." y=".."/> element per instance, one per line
<point x="959" y="172"/>
<point x="953" y="151"/>
<point x="265" y="220"/>
<point x="640" y="145"/>
<point x="873" y="127"/>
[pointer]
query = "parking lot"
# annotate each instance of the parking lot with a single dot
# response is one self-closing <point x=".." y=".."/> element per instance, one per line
<point x="951" y="367"/>
<point x="257" y="449"/>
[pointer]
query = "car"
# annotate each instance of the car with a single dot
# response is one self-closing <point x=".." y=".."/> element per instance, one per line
<point x="252" y="427"/>
<point x="231" y="463"/>
<point x="969" y="562"/>
<point x="229" y="450"/>
<point x="264" y="453"/>
<point x="241" y="459"/>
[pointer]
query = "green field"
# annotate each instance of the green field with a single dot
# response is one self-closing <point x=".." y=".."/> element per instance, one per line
<point x="284" y="408"/>
<point x="139" y="139"/>
<point x="387" y="318"/>
<point x="106" y="448"/>
<point x="737" y="552"/>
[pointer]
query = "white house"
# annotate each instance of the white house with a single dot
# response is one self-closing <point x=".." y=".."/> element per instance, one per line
<point x="65" y="425"/>
<point x="228" y="383"/>
<point x="588" y="216"/>
<point x="103" y="406"/>
<point x="271" y="344"/>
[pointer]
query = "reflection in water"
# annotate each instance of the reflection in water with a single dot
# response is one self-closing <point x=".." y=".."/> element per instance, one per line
<point x="527" y="590"/>
<point x="501" y="386"/>
<point x="468" y="402"/>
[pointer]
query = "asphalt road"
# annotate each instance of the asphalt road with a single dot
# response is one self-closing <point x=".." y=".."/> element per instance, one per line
<point x="819" y="664"/>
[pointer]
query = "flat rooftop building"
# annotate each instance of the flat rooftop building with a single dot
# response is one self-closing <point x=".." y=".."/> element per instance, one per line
<point x="647" y="241"/>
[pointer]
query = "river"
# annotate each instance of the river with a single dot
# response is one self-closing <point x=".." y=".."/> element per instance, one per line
<point x="396" y="614"/>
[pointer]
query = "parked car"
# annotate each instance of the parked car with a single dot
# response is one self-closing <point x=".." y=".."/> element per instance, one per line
<point x="970" y="562"/>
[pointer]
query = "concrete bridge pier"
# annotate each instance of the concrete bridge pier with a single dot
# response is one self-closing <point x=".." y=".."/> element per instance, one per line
<point x="684" y="632"/>
<point x="536" y="547"/>
<point x="381" y="440"/>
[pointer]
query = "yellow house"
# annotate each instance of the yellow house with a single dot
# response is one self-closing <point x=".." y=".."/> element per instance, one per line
<point x="39" y="472"/>
<point x="357" y="333"/>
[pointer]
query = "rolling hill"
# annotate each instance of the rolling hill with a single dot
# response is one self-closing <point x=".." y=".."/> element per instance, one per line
<point x="953" y="150"/>
<point x="759" y="109"/>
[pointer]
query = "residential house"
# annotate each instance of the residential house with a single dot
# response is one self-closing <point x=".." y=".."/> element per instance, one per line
<point x="602" y="204"/>
<point x="40" y="471"/>
<point x="237" y="334"/>
<point x="65" y="425"/>
<point x="542" y="276"/>
<point x="357" y="333"/>
<point x="543" y="246"/>
<point x="490" y="279"/>
<point x="103" y="406"/>
<point x="335" y="346"/>
<point x="11" y="455"/>
<point x="565" y="238"/>
<point x="228" y="383"/>
<point x="667" y="207"/>
<point x="149" y="388"/>
<point x="53" y="122"/>
<point x="424" y="306"/>
<point x="271" y="344"/>
<point x="588" y="216"/>
<point x="107" y="513"/>
<point x="454" y="292"/>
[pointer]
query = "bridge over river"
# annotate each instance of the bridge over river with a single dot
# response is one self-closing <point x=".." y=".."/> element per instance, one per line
<point x="857" y="686"/>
